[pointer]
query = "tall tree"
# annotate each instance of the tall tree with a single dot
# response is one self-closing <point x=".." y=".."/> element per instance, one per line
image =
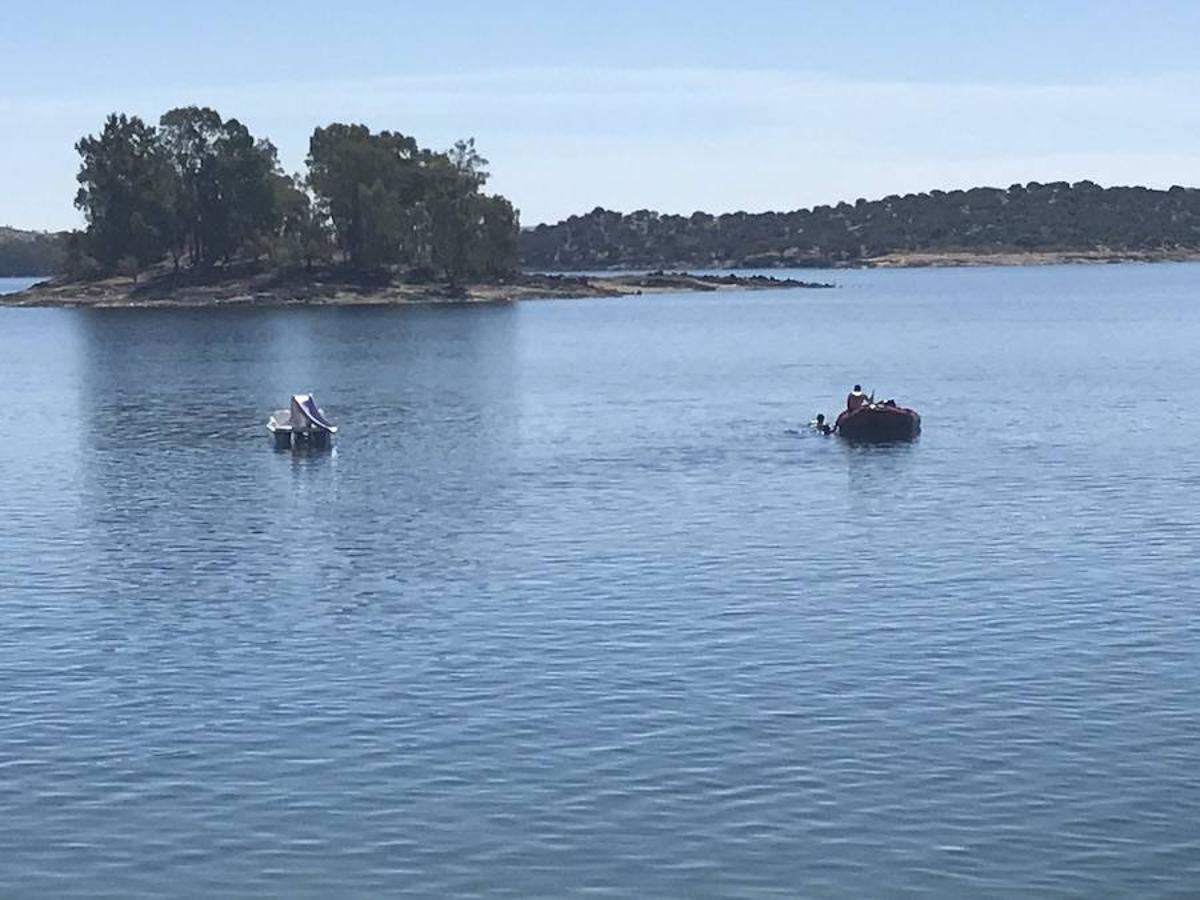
<point x="242" y="204"/>
<point x="497" y="247"/>
<point x="127" y="193"/>
<point x="188" y="135"/>
<point x="452" y="222"/>
<point x="368" y="184"/>
<point x="225" y="193"/>
<point x="470" y="231"/>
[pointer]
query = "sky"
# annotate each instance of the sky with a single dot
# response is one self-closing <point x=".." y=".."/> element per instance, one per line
<point x="673" y="106"/>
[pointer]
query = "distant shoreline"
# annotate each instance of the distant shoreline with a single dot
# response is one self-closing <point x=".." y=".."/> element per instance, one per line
<point x="965" y="259"/>
<point x="941" y="259"/>
<point x="331" y="288"/>
<point x="1024" y="224"/>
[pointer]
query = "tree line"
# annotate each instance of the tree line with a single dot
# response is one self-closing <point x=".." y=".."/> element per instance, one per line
<point x="1031" y="217"/>
<point x="199" y="190"/>
<point x="31" y="253"/>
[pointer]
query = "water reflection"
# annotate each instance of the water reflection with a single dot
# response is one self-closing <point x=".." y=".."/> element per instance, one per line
<point x="422" y="397"/>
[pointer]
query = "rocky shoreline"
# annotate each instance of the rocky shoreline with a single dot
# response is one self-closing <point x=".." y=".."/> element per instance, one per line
<point x="333" y="288"/>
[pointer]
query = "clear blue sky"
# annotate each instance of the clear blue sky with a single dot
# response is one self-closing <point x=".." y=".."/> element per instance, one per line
<point x="674" y="106"/>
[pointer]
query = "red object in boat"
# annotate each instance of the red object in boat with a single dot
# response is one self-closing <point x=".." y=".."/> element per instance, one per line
<point x="879" y="423"/>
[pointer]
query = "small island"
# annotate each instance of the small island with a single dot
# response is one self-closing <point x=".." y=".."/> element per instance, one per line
<point x="197" y="211"/>
<point x="257" y="285"/>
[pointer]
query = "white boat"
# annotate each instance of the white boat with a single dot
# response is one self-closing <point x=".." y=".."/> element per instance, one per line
<point x="303" y="423"/>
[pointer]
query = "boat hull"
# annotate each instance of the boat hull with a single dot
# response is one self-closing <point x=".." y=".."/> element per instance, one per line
<point x="880" y="424"/>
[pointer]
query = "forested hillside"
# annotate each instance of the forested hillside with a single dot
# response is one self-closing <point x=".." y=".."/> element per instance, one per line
<point x="30" y="252"/>
<point x="1024" y="218"/>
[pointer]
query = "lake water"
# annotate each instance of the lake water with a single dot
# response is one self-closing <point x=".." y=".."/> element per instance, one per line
<point x="569" y="610"/>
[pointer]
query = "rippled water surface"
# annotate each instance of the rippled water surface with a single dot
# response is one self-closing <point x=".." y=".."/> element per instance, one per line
<point x="568" y="610"/>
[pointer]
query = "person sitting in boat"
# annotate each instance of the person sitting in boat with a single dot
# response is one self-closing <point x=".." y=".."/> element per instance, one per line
<point x="856" y="398"/>
<point x="819" y="424"/>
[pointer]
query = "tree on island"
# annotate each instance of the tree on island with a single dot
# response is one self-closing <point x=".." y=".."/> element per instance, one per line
<point x="206" y="192"/>
<point x="473" y="233"/>
<point x="126" y="193"/>
<point x="366" y="184"/>
<point x="226" y="190"/>
<point x="391" y="202"/>
<point x="301" y="233"/>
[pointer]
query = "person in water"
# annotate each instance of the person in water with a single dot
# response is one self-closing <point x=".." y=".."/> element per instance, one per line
<point x="856" y="398"/>
<point x="819" y="424"/>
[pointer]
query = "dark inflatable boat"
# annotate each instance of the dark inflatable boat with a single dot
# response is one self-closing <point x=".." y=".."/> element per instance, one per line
<point x="878" y="423"/>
